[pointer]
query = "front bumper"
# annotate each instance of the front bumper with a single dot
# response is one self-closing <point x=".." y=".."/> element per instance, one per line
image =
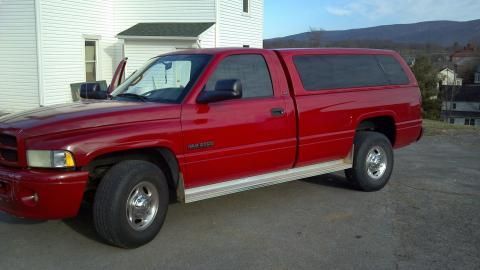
<point x="41" y="194"/>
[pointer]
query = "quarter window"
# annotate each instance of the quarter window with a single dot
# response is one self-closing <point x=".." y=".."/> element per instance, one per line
<point x="250" y="69"/>
<point x="394" y="72"/>
<point x="90" y="60"/>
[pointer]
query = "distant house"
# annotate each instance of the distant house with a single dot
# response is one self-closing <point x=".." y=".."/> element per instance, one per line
<point x="461" y="105"/>
<point x="48" y="44"/>
<point x="466" y="61"/>
<point x="447" y="76"/>
<point x="410" y="60"/>
<point x="468" y="53"/>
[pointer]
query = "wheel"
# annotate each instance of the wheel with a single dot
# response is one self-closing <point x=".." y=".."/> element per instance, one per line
<point x="131" y="203"/>
<point x="372" y="161"/>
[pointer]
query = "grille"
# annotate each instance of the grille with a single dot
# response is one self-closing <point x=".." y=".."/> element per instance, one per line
<point x="8" y="140"/>
<point x="9" y="155"/>
<point x="8" y="149"/>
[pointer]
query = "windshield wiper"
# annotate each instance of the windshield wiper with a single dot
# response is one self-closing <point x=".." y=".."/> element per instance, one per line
<point x="131" y="95"/>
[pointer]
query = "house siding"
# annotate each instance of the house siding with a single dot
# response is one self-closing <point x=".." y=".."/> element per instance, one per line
<point x="127" y="13"/>
<point x="64" y="28"/>
<point x="64" y="25"/>
<point x="462" y="106"/>
<point x="236" y="28"/>
<point x="18" y="56"/>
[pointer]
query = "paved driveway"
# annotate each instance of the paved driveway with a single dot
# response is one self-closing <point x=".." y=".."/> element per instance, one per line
<point x="428" y="217"/>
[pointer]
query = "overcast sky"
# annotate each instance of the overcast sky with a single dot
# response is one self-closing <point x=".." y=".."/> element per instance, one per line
<point x="286" y="17"/>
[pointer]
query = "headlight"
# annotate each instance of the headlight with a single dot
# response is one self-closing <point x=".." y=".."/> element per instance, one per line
<point x="50" y="159"/>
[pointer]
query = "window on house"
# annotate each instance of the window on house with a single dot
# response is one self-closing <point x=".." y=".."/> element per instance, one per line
<point x="90" y="60"/>
<point x="469" y="122"/>
<point x="452" y="120"/>
<point x="246" y="6"/>
<point x="250" y="69"/>
<point x="454" y="106"/>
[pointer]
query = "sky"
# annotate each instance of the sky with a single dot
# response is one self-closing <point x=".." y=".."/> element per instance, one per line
<point x="286" y="17"/>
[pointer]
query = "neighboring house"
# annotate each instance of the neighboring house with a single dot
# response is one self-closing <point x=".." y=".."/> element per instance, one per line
<point x="46" y="45"/>
<point x="448" y="76"/>
<point x="468" y="53"/>
<point x="466" y="61"/>
<point x="461" y="105"/>
<point x="410" y="60"/>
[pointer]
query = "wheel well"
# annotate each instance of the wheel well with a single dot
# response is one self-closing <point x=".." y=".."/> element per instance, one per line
<point x="382" y="124"/>
<point x="162" y="157"/>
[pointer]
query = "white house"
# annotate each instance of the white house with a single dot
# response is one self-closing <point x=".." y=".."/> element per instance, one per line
<point x="46" y="45"/>
<point x="448" y="76"/>
<point x="461" y="105"/>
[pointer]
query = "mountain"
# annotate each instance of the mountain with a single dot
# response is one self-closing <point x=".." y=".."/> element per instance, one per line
<point x="442" y="33"/>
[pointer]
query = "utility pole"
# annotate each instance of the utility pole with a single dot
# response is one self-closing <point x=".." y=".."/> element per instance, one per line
<point x="455" y="67"/>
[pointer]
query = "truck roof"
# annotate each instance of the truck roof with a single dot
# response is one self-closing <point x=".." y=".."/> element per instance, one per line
<point x="288" y="51"/>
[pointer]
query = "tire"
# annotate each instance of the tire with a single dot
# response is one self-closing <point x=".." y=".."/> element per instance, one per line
<point x="134" y="189"/>
<point x="377" y="149"/>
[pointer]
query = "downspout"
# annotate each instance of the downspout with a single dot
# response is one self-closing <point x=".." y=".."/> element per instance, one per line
<point x="41" y="97"/>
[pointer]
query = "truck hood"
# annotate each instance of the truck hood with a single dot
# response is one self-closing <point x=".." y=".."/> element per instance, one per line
<point x="85" y="114"/>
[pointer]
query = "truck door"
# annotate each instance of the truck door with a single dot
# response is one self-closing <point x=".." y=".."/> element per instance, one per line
<point x="232" y="139"/>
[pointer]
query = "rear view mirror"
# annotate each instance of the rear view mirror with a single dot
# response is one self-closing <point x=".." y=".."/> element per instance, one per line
<point x="224" y="90"/>
<point x="92" y="91"/>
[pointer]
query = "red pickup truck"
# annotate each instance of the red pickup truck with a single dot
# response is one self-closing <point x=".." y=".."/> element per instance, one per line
<point x="198" y="124"/>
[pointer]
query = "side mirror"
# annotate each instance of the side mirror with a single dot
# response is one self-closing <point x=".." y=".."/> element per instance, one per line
<point x="92" y="91"/>
<point x="224" y="90"/>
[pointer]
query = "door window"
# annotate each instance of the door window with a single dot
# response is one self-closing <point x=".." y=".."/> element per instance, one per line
<point x="250" y="69"/>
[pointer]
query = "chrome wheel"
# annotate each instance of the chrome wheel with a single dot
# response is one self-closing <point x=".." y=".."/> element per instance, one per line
<point x="142" y="206"/>
<point x="376" y="162"/>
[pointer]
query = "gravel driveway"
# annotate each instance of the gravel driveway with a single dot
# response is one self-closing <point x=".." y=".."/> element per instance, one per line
<point x="428" y="217"/>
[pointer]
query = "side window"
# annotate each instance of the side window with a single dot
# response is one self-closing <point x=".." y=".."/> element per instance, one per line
<point x="250" y="69"/>
<point x="321" y="72"/>
<point x="394" y="71"/>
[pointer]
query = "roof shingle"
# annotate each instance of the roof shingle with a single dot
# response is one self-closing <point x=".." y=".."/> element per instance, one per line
<point x="167" y="29"/>
<point x="465" y="93"/>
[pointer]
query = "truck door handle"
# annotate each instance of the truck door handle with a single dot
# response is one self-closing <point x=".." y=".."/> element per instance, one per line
<point x="277" y="112"/>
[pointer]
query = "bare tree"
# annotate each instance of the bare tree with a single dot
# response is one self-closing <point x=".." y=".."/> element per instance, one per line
<point x="315" y="37"/>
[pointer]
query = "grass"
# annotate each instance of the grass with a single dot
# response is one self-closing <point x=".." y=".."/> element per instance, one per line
<point x="433" y="127"/>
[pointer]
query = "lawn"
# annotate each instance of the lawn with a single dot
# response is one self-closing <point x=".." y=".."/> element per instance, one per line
<point x="433" y="127"/>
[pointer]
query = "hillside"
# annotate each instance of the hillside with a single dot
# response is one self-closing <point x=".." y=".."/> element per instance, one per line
<point x="441" y="33"/>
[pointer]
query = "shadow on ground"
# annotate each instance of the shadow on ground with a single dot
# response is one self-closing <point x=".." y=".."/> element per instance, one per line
<point x="83" y="223"/>
<point x="5" y="218"/>
<point x="331" y="180"/>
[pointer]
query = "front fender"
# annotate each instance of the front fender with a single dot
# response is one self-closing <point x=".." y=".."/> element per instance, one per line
<point x="87" y="144"/>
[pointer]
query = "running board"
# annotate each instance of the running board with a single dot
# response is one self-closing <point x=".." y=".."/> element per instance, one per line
<point x="234" y="186"/>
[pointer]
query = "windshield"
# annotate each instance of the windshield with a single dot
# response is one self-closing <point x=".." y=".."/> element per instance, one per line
<point x="163" y="79"/>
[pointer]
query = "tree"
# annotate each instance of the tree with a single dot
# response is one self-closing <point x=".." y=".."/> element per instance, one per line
<point x="315" y="37"/>
<point x="427" y="81"/>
